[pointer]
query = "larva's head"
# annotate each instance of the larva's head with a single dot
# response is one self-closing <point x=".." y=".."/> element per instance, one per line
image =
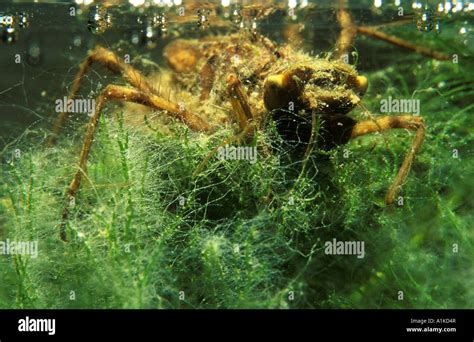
<point x="327" y="87"/>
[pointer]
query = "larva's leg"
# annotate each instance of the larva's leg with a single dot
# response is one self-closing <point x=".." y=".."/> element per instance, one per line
<point x="347" y="34"/>
<point x="243" y="114"/>
<point x="349" y="31"/>
<point x="120" y="93"/>
<point x="239" y="101"/>
<point x="414" y="123"/>
<point x="208" y="75"/>
<point x="110" y="60"/>
<point x="372" y="32"/>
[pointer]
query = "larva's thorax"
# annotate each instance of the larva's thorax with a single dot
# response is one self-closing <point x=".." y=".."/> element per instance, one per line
<point x="285" y="79"/>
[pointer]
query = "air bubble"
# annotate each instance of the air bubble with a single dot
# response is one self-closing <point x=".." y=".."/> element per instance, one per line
<point x="6" y="20"/>
<point x="161" y="23"/>
<point x="8" y="35"/>
<point x="437" y="27"/>
<point x="426" y="21"/>
<point x="149" y="33"/>
<point x="99" y="20"/>
<point x="153" y="26"/>
<point x="254" y="25"/>
<point x="203" y="18"/>
<point x="236" y="17"/>
<point x="23" y="20"/>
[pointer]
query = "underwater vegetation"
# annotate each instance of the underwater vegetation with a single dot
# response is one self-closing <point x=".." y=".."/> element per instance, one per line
<point x="146" y="230"/>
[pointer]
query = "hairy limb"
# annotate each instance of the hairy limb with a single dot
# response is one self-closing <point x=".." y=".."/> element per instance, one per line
<point x="239" y="101"/>
<point x="120" y="93"/>
<point x="371" y="32"/>
<point x="413" y="123"/>
<point x="208" y="74"/>
<point x="110" y="60"/>
<point x="268" y="44"/>
<point x="243" y="113"/>
<point x="349" y="31"/>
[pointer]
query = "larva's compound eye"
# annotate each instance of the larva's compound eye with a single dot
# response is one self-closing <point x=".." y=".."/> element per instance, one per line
<point x="272" y="91"/>
<point x="280" y="90"/>
<point x="360" y="85"/>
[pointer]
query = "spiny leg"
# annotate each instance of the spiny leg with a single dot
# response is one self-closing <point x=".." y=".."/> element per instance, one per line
<point x="414" y="123"/>
<point x="112" y="62"/>
<point x="239" y="101"/>
<point x="208" y="75"/>
<point x="268" y="44"/>
<point x="372" y="32"/>
<point x="120" y="93"/>
<point x="349" y="31"/>
<point x="243" y="114"/>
